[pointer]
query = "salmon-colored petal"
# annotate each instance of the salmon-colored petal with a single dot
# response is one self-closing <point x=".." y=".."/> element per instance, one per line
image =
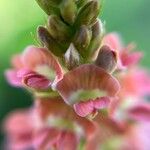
<point x="86" y="82"/>
<point x="84" y="108"/>
<point x="12" y="78"/>
<point x="42" y="61"/>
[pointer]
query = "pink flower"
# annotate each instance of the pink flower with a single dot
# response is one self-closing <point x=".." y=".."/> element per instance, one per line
<point x="36" y="68"/>
<point x="87" y="88"/>
<point x="78" y="103"/>
<point x="119" y="135"/>
<point x="19" y="130"/>
<point x="48" y="138"/>
<point x="58" y="126"/>
<point x="126" y="56"/>
<point x="108" y="130"/>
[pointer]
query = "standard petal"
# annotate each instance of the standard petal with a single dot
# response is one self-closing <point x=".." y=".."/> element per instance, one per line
<point x="86" y="82"/>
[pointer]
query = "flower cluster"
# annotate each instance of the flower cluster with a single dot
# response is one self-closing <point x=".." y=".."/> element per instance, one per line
<point x="89" y="91"/>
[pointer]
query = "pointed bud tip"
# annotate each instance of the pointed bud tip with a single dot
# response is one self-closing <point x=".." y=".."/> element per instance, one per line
<point x="72" y="57"/>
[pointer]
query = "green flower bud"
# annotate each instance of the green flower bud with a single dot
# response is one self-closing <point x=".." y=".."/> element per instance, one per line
<point x="72" y="57"/>
<point x="49" y="6"/>
<point x="68" y="11"/>
<point x="82" y="39"/>
<point x="81" y="3"/>
<point x="97" y="34"/>
<point x="88" y="14"/>
<point x="49" y="42"/>
<point x="58" y="29"/>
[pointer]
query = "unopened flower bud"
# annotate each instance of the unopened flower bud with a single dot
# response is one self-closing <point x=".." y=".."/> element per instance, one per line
<point x="58" y="30"/>
<point x="72" y="57"/>
<point x="68" y="11"/>
<point x="49" y="6"/>
<point x="97" y="33"/>
<point x="49" y="42"/>
<point x="107" y="59"/>
<point x="88" y="14"/>
<point x="82" y="39"/>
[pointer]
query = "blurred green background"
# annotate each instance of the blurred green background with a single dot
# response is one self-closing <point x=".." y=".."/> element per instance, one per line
<point x="20" y="18"/>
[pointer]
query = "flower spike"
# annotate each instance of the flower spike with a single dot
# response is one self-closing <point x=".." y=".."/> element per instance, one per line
<point x="78" y="104"/>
